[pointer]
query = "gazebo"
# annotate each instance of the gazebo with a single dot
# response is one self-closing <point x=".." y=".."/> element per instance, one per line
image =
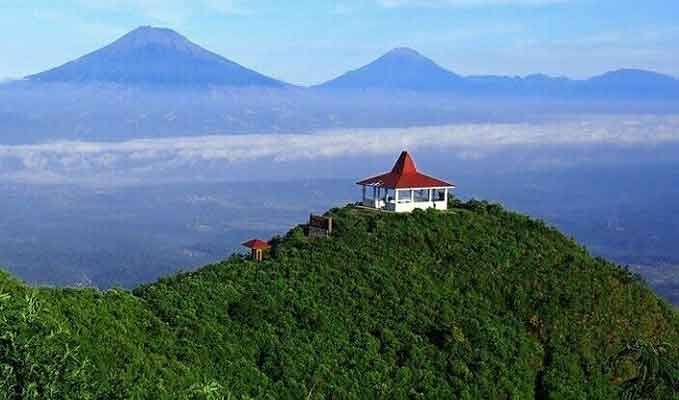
<point x="257" y="248"/>
<point x="405" y="189"/>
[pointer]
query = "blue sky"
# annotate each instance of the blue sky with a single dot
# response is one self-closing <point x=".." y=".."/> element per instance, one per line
<point x="309" y="41"/>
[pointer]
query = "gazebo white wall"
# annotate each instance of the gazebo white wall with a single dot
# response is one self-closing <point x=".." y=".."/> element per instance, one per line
<point x="404" y="199"/>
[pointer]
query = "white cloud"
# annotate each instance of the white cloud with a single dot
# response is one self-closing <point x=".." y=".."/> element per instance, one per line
<point x="152" y="159"/>
<point x="467" y="3"/>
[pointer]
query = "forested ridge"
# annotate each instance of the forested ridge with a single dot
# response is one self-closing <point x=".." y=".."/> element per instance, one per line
<point x="473" y="303"/>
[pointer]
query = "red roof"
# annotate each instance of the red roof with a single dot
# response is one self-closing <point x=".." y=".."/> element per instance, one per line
<point x="404" y="175"/>
<point x="257" y="244"/>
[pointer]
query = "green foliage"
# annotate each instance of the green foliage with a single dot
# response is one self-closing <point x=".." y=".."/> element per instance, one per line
<point x="473" y="303"/>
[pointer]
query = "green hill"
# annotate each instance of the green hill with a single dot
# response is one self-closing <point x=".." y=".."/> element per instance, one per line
<point x="474" y="303"/>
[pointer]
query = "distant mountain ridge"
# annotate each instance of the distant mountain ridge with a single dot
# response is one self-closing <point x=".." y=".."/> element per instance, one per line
<point x="406" y="69"/>
<point x="162" y="57"/>
<point x="155" y="56"/>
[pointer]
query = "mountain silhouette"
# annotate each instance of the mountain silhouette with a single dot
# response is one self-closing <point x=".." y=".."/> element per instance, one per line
<point x="401" y="68"/>
<point x="155" y="56"/>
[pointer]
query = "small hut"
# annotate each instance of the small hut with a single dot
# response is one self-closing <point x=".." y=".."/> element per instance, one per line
<point x="318" y="226"/>
<point x="257" y="248"/>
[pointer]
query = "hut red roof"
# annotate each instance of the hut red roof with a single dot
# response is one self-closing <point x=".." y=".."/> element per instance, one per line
<point x="257" y="244"/>
<point x="404" y="175"/>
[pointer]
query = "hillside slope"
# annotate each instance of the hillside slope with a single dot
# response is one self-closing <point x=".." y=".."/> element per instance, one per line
<point x="473" y="303"/>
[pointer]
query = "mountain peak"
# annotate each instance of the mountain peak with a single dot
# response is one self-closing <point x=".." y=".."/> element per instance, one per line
<point x="153" y="34"/>
<point x="404" y="52"/>
<point x="149" y="36"/>
<point x="404" y="56"/>
<point x="151" y="28"/>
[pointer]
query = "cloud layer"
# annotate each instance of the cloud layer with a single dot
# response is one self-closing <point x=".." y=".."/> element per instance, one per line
<point x="139" y="160"/>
